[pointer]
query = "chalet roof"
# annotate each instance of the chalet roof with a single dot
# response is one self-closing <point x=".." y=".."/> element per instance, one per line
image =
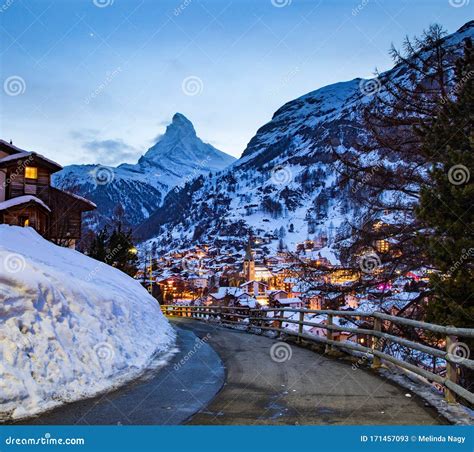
<point x="20" y="200"/>
<point x="5" y="161"/>
<point x="80" y="198"/>
<point x="77" y="201"/>
<point x="17" y="156"/>
<point x="9" y="148"/>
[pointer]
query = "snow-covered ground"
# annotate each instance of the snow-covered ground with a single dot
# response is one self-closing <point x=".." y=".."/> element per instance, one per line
<point x="70" y="326"/>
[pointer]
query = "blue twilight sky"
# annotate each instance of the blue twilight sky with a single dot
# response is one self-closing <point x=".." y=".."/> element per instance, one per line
<point x="98" y="80"/>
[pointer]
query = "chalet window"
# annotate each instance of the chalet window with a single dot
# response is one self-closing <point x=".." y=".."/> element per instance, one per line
<point x="31" y="172"/>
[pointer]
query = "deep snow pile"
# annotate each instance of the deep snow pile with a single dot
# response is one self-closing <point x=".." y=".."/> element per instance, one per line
<point x="70" y="326"/>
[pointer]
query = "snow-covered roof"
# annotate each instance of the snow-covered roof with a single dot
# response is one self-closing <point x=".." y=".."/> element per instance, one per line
<point x="251" y="302"/>
<point x="80" y="198"/>
<point x="10" y="147"/>
<point x="25" y="154"/>
<point x="20" y="155"/>
<point x="289" y="300"/>
<point x="222" y="292"/>
<point x="22" y="200"/>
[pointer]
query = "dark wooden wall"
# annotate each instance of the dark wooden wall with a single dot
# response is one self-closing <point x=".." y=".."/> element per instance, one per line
<point x="20" y="186"/>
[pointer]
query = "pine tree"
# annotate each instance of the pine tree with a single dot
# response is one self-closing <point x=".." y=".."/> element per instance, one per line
<point x="384" y="173"/>
<point x="446" y="203"/>
<point x="98" y="247"/>
<point x="116" y="249"/>
<point x="121" y="251"/>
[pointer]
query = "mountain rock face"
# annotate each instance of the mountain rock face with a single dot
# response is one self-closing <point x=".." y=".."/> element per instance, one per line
<point x="178" y="157"/>
<point x="284" y="188"/>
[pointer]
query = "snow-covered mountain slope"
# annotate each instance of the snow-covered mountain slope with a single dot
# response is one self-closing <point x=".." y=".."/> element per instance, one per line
<point x="284" y="187"/>
<point x="70" y="326"/>
<point x="177" y="157"/>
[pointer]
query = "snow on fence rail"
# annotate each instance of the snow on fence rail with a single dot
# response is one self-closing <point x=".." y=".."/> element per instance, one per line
<point x="260" y="319"/>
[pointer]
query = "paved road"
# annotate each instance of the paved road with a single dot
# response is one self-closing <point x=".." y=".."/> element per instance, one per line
<point x="167" y="396"/>
<point x="306" y="389"/>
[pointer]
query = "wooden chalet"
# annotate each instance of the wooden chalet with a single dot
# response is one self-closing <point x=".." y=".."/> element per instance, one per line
<point x="28" y="199"/>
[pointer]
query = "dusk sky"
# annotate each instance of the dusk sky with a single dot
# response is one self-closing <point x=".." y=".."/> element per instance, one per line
<point x="96" y="81"/>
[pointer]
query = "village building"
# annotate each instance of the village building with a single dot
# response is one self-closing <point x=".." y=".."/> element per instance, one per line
<point x="249" y="264"/>
<point x="231" y="296"/>
<point x="28" y="199"/>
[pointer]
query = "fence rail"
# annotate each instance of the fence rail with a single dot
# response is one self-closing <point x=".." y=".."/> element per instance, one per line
<point x="273" y="320"/>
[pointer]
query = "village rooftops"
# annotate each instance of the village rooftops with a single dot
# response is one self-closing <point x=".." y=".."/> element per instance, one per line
<point x="222" y="292"/>
<point x="289" y="300"/>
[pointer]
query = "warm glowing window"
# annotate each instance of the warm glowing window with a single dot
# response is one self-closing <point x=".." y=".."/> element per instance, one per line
<point x="24" y="221"/>
<point x="31" y="172"/>
<point x="382" y="246"/>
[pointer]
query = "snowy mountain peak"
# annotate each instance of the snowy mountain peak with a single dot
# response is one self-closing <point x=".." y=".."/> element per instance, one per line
<point x="181" y="124"/>
<point x="285" y="188"/>
<point x="180" y="146"/>
<point x="177" y="157"/>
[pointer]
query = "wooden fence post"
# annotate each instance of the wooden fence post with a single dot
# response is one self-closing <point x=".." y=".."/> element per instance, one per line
<point x="451" y="371"/>
<point x="300" y="325"/>
<point x="375" y="345"/>
<point x="329" y="335"/>
<point x="280" y="323"/>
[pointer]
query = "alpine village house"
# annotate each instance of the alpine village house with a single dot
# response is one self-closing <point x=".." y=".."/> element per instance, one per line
<point x="28" y="199"/>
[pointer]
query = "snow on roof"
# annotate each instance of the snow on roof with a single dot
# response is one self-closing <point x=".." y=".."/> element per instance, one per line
<point x="24" y="154"/>
<point x="222" y="292"/>
<point x="22" y="200"/>
<point x="11" y="146"/>
<point x="289" y="300"/>
<point x="15" y="156"/>
<point x="405" y="296"/>
<point x="80" y="198"/>
<point x="250" y="302"/>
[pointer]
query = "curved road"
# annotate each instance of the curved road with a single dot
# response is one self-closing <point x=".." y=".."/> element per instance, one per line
<point x="165" y="396"/>
<point x="307" y="389"/>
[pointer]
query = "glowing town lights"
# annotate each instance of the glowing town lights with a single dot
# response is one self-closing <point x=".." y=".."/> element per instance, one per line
<point x="378" y="225"/>
<point x="382" y="246"/>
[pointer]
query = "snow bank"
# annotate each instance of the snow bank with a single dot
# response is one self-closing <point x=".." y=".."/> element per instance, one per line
<point x="70" y="326"/>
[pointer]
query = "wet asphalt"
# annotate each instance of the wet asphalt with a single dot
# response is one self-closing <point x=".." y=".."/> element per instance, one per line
<point x="274" y="383"/>
<point x="165" y="396"/>
<point x="231" y="377"/>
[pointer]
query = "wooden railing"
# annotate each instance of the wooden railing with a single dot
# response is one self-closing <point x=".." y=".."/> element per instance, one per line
<point x="273" y="320"/>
